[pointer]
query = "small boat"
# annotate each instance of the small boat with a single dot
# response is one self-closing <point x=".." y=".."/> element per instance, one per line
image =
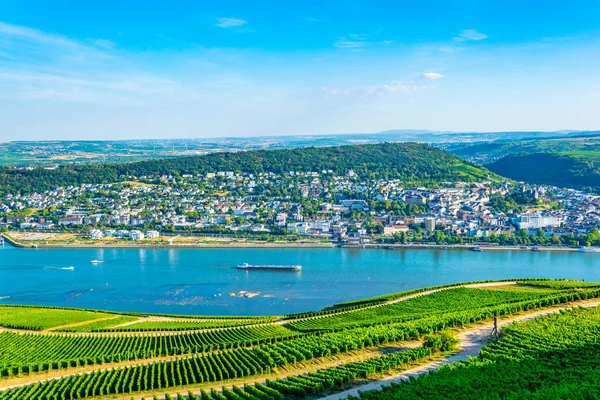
<point x="1" y="241"/>
<point x="247" y="266"/>
<point x="535" y="248"/>
<point x="587" y="250"/>
<point x="476" y="248"/>
<point x="96" y="262"/>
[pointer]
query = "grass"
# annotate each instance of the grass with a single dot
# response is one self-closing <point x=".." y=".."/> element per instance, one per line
<point x="35" y="318"/>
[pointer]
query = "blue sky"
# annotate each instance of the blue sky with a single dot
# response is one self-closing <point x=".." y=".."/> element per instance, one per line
<point x="152" y="69"/>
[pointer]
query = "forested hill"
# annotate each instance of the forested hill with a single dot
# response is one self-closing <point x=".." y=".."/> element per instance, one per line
<point x="550" y="168"/>
<point x="411" y="162"/>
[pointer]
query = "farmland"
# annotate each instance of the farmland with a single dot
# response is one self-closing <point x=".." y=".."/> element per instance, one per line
<point x="73" y="354"/>
<point x="548" y="358"/>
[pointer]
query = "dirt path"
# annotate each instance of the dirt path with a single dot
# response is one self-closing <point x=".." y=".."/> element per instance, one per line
<point x="76" y="324"/>
<point x="405" y="298"/>
<point x="471" y="341"/>
<point x="128" y="333"/>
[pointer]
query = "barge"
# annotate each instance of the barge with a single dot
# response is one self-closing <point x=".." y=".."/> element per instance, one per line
<point x="247" y="266"/>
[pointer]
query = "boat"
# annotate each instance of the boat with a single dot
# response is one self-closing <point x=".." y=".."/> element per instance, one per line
<point x="96" y="262"/>
<point x="1" y="241"/>
<point x="588" y="250"/>
<point x="535" y="248"/>
<point x="476" y="248"/>
<point x="247" y="266"/>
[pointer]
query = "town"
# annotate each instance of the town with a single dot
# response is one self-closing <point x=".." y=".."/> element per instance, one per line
<point x="317" y="205"/>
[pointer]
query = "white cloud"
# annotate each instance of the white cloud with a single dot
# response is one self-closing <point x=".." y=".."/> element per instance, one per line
<point x="431" y="75"/>
<point x="106" y="44"/>
<point x="352" y="42"/>
<point x="470" y="34"/>
<point x="343" y="43"/>
<point x="230" y="22"/>
<point x="406" y="87"/>
<point x="24" y="33"/>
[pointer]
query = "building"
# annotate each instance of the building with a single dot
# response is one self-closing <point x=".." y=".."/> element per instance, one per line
<point x="136" y="235"/>
<point x="152" y="235"/>
<point x="96" y="234"/>
<point x="71" y="220"/>
<point x="281" y="219"/>
<point x="415" y="200"/>
<point x="536" y="221"/>
<point x="429" y="223"/>
<point x="393" y="229"/>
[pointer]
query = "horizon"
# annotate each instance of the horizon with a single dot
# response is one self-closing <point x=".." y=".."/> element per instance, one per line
<point x="307" y="135"/>
<point x="233" y="70"/>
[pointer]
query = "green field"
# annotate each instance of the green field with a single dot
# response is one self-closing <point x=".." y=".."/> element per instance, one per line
<point x="307" y="355"/>
<point x="37" y="318"/>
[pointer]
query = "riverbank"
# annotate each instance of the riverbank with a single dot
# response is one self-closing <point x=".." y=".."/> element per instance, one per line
<point x="178" y="242"/>
<point x="470" y="247"/>
<point x="182" y="242"/>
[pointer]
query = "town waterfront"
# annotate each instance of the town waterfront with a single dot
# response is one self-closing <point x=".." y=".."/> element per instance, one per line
<point x="199" y="281"/>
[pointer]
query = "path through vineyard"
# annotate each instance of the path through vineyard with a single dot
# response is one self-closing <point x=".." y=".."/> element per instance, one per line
<point x="471" y="341"/>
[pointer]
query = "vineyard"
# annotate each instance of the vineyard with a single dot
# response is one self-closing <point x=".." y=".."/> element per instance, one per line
<point x="158" y="355"/>
<point x="449" y="300"/>
<point x="35" y="353"/>
<point x="35" y="318"/>
<point x="555" y="357"/>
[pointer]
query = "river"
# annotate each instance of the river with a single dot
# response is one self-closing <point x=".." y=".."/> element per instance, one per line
<point x="198" y="281"/>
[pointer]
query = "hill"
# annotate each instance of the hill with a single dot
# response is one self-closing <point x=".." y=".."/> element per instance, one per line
<point x="568" y="169"/>
<point x="488" y="152"/>
<point x="414" y="163"/>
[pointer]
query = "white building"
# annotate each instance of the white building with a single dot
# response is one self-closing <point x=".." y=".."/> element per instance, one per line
<point x="536" y="221"/>
<point x="136" y="235"/>
<point x="152" y="234"/>
<point x="96" y="234"/>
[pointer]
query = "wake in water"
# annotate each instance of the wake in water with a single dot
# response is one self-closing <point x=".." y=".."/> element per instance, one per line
<point x="61" y="268"/>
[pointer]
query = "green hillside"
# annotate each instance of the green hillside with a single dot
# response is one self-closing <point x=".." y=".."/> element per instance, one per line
<point x="488" y="152"/>
<point x="413" y="163"/>
<point x="577" y="169"/>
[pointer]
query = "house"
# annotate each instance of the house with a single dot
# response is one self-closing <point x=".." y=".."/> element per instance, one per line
<point x="152" y="234"/>
<point x="136" y="235"/>
<point x="96" y="234"/>
<point x="393" y="229"/>
<point x="71" y="220"/>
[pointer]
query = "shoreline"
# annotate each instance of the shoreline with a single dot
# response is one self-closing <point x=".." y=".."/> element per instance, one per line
<point x="251" y="245"/>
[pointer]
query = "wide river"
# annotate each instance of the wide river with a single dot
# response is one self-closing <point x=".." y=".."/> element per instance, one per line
<point x="198" y="281"/>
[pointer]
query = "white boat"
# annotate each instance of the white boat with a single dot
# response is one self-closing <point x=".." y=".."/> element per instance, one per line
<point x="247" y="266"/>
<point x="96" y="262"/>
<point x="1" y="241"/>
<point x="588" y="250"/>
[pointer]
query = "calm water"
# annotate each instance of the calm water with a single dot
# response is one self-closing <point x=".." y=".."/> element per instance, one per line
<point x="191" y="280"/>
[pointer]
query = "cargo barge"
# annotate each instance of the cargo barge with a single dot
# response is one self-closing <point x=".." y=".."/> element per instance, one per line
<point x="247" y="266"/>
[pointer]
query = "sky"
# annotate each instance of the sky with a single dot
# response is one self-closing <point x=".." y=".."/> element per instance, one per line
<point x="211" y="68"/>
